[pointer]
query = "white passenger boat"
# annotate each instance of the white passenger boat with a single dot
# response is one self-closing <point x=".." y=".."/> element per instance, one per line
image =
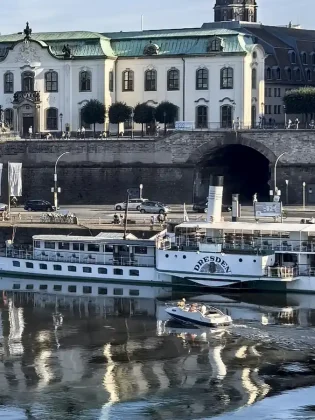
<point x="199" y="314"/>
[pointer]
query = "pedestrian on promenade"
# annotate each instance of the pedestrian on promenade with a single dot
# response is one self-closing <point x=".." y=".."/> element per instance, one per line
<point x="255" y="199"/>
<point x="30" y="132"/>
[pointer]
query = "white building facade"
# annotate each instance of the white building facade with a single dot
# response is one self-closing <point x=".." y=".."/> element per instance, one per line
<point x="214" y="77"/>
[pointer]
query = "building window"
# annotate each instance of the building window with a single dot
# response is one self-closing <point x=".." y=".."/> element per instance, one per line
<point x="226" y="116"/>
<point x="127" y="81"/>
<point x="134" y="292"/>
<point x="102" y="291"/>
<point x="292" y="57"/>
<point x="267" y="109"/>
<point x="227" y="78"/>
<point x="268" y="73"/>
<point x="278" y="73"/>
<point x="78" y="247"/>
<point x="277" y="92"/>
<point x="150" y="77"/>
<point x="202" y="116"/>
<point x="216" y="45"/>
<point x="93" y="248"/>
<point x="142" y="250"/>
<point x="72" y="289"/>
<point x="111" y="81"/>
<point x="298" y="74"/>
<point x="52" y="119"/>
<point x="28" y="81"/>
<point x="87" y="290"/>
<point x="49" y="245"/>
<point x="202" y="76"/>
<point x="43" y="266"/>
<point x="8" y="117"/>
<point x="277" y="109"/>
<point x="57" y="288"/>
<point x="51" y="81"/>
<point x="57" y="267"/>
<point x="87" y="270"/>
<point x="64" y="246"/>
<point x="102" y="270"/>
<point x="36" y="244"/>
<point x="43" y="287"/>
<point x="308" y="75"/>
<point x="8" y="82"/>
<point x="254" y="79"/>
<point x="29" y="265"/>
<point x="118" y="292"/>
<point x="134" y="273"/>
<point x="29" y="287"/>
<point x="84" y="124"/>
<point x="118" y="271"/>
<point x="72" y="268"/>
<point x="16" y="286"/>
<point x="289" y="74"/>
<point x="304" y="57"/>
<point x="85" y="78"/>
<point x="173" y="79"/>
<point x="16" y="263"/>
<point x="313" y="58"/>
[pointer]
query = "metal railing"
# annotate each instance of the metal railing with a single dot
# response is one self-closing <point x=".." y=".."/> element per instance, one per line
<point x="282" y="272"/>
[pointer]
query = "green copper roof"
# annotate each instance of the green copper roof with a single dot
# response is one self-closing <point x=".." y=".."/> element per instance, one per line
<point x="53" y="36"/>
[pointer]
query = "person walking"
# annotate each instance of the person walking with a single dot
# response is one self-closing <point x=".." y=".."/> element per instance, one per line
<point x="30" y="132"/>
<point x="255" y="199"/>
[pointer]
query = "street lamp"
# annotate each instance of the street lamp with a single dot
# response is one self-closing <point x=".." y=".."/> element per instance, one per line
<point x="164" y="115"/>
<point x="285" y="116"/>
<point x="132" y="117"/>
<point x="61" y="117"/>
<point x="287" y="191"/>
<point x="275" y="172"/>
<point x="304" y="184"/>
<point x="57" y="190"/>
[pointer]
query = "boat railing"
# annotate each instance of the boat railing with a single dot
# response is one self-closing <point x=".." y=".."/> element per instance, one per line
<point x="282" y="272"/>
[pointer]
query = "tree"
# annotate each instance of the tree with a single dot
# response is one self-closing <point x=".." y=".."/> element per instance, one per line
<point x="119" y="113"/>
<point x="166" y="112"/>
<point x="93" y="112"/>
<point x="143" y="114"/>
<point x="300" y="101"/>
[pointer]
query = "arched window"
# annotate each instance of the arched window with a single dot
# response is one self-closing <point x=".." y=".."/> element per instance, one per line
<point x="173" y="79"/>
<point x="293" y="57"/>
<point x="8" y="117"/>
<point x="8" y="82"/>
<point x="150" y="80"/>
<point x="313" y="58"/>
<point x="202" y="116"/>
<point x="82" y="122"/>
<point x="128" y="81"/>
<point x="51" y="81"/>
<point x="111" y="81"/>
<point x="304" y="57"/>
<point x="254" y="79"/>
<point x="289" y="73"/>
<point x="278" y="73"/>
<point x="51" y="119"/>
<point x="226" y="78"/>
<point x="28" y="81"/>
<point x="202" y="76"/>
<point x="85" y="81"/>
<point x="308" y="75"/>
<point x="297" y="74"/>
<point x="226" y="116"/>
<point x="216" y="45"/>
<point x="268" y="73"/>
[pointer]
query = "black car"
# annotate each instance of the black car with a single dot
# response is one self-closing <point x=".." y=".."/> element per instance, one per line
<point x="201" y="207"/>
<point x="38" y="205"/>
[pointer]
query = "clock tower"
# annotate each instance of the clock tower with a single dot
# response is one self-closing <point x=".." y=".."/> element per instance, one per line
<point x="240" y="10"/>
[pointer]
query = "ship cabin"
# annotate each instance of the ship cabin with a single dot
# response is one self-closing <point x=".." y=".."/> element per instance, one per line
<point x="103" y="249"/>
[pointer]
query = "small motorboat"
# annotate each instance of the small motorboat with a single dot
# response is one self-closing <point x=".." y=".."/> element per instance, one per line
<point x="198" y="314"/>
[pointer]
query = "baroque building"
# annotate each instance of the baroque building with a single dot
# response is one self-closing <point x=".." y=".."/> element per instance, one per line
<point x="238" y="10"/>
<point x="213" y="75"/>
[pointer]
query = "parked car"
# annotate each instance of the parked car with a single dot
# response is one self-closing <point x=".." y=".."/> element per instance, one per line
<point x="3" y="207"/>
<point x="154" y="207"/>
<point x="202" y="207"/>
<point x="134" y="204"/>
<point x="38" y="205"/>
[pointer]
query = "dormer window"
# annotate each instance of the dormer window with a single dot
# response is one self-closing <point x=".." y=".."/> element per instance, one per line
<point x="308" y="75"/>
<point x="312" y="58"/>
<point x="215" y="45"/>
<point x="304" y="57"/>
<point x="289" y="73"/>
<point x="151" y="49"/>
<point x="268" y="73"/>
<point x="292" y="57"/>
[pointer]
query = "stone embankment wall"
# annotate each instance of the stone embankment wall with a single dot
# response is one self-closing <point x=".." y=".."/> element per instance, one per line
<point x="100" y="171"/>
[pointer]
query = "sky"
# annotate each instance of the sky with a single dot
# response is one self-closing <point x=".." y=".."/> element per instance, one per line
<point x="125" y="15"/>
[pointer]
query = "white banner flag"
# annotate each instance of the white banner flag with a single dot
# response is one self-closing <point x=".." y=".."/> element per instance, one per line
<point x="1" y="168"/>
<point x="15" y="179"/>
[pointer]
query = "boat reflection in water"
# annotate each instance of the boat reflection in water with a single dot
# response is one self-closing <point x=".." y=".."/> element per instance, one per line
<point x="105" y="357"/>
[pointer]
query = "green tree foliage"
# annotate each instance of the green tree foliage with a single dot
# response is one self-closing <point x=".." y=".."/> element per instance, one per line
<point x="144" y="114"/>
<point x="300" y="101"/>
<point x="166" y="112"/>
<point x="119" y="113"/>
<point x="93" y="112"/>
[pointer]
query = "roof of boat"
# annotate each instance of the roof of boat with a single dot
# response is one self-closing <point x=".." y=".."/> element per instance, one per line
<point x="111" y="239"/>
<point x="247" y="226"/>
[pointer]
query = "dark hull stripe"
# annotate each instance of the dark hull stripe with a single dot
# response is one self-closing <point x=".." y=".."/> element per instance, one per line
<point x="188" y="321"/>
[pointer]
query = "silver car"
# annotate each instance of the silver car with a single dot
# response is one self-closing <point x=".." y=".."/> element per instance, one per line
<point x="154" y="207"/>
<point x="134" y="204"/>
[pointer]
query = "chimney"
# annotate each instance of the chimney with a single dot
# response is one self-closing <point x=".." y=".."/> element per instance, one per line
<point x="214" y="211"/>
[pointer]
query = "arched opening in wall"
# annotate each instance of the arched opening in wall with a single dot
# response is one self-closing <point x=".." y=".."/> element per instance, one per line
<point x="245" y="172"/>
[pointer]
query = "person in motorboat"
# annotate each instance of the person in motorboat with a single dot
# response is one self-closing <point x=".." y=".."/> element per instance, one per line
<point x="203" y="310"/>
<point x="182" y="303"/>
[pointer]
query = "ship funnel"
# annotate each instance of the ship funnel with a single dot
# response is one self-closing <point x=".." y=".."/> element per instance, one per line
<point x="214" y="210"/>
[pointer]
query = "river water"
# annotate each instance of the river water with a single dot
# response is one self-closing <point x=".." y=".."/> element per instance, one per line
<point x="111" y="358"/>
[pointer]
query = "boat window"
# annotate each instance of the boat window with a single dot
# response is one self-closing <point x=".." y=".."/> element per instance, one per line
<point x="134" y="292"/>
<point x="109" y="248"/>
<point x="64" y="245"/>
<point x="16" y="286"/>
<point x="29" y="265"/>
<point x="49" y="245"/>
<point x="134" y="273"/>
<point x="93" y="247"/>
<point x="87" y="290"/>
<point x="57" y="288"/>
<point x="78" y="247"/>
<point x="141" y="250"/>
<point x="16" y="264"/>
<point x="43" y="287"/>
<point x="72" y="268"/>
<point x="87" y="270"/>
<point x="36" y="244"/>
<point x="72" y="289"/>
<point x="118" y="271"/>
<point x="29" y="287"/>
<point x="43" y="266"/>
<point x="123" y="248"/>
<point x="102" y="271"/>
<point x="118" y="292"/>
<point x="57" y="267"/>
<point x="102" y="291"/>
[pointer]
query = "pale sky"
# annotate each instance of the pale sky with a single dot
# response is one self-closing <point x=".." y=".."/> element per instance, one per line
<point x="117" y="15"/>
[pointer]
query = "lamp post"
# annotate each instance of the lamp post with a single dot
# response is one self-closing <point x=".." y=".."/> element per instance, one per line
<point x="304" y="198"/>
<point x="56" y="190"/>
<point x="61" y="117"/>
<point x="287" y="191"/>
<point x="285" y="116"/>
<point x="132" y="117"/>
<point x="140" y="189"/>
<point x="275" y="172"/>
<point x="164" y="115"/>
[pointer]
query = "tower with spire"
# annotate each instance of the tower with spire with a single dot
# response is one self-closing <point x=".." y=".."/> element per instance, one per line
<point x="239" y="10"/>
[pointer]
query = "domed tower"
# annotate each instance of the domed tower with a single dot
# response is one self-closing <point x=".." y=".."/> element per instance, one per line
<point x="241" y="10"/>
